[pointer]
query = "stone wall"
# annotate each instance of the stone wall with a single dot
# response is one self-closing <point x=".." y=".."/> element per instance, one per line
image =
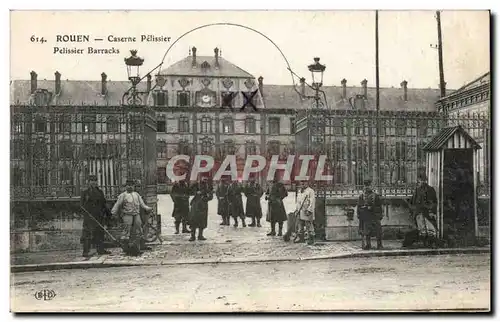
<point x="395" y="224"/>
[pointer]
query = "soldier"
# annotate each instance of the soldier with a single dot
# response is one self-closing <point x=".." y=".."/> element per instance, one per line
<point x="198" y="215"/>
<point x="236" y="203"/>
<point x="223" y="203"/>
<point x="94" y="202"/>
<point x="370" y="216"/>
<point x="276" y="209"/>
<point x="129" y="205"/>
<point x="423" y="206"/>
<point x="253" y="191"/>
<point x="306" y="203"/>
<point x="180" y="197"/>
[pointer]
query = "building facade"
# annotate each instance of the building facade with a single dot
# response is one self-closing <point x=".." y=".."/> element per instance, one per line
<point x="64" y="130"/>
<point x="198" y="103"/>
<point x="470" y="106"/>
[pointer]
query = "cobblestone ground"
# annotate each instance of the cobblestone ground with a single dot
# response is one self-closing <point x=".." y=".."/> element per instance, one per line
<point x="223" y="242"/>
<point x="386" y="283"/>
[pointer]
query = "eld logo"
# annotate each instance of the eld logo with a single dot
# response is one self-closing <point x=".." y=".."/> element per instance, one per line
<point x="45" y="295"/>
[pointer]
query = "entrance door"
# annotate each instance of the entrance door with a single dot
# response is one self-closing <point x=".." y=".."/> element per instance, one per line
<point x="458" y="196"/>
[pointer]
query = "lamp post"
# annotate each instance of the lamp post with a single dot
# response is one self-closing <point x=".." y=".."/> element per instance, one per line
<point x="133" y="63"/>
<point x="317" y="70"/>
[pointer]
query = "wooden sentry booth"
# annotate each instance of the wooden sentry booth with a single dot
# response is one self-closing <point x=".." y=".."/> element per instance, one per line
<point x="452" y="167"/>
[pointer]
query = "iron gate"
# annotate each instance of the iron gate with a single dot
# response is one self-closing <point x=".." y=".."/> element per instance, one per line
<point x="54" y="149"/>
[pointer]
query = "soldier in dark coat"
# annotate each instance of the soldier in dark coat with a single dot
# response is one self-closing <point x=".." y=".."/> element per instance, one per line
<point x="180" y="197"/>
<point x="253" y="191"/>
<point x="94" y="202"/>
<point x="235" y="199"/>
<point x="198" y="215"/>
<point x="276" y="209"/>
<point x="370" y="216"/>
<point x="223" y="202"/>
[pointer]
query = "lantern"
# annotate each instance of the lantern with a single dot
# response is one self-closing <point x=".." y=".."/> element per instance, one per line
<point x="317" y="70"/>
<point x="134" y="63"/>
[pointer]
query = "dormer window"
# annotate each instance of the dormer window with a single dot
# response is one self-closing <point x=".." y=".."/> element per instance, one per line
<point x="42" y="97"/>
<point x="205" y="65"/>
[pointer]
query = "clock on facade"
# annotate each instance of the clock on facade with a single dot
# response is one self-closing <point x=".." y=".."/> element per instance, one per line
<point x="206" y="99"/>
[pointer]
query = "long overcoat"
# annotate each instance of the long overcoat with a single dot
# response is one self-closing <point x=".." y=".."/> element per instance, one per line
<point x="369" y="213"/>
<point x="180" y="197"/>
<point x="222" y="198"/>
<point x="276" y="209"/>
<point x="253" y="191"/>
<point x="93" y="200"/>
<point x="235" y="201"/>
<point x="198" y="215"/>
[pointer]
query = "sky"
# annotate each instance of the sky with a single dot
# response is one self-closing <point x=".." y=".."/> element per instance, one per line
<point x="344" y="40"/>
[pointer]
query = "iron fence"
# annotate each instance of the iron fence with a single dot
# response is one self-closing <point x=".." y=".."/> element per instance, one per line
<point x="55" y="149"/>
<point x="349" y="139"/>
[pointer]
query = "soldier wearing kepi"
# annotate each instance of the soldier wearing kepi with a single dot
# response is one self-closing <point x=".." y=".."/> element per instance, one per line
<point x="198" y="215"/>
<point x="180" y="197"/>
<point x="236" y="203"/>
<point x="370" y="216"/>
<point x="222" y="201"/>
<point x="253" y="191"/>
<point x="94" y="202"/>
<point x="129" y="206"/>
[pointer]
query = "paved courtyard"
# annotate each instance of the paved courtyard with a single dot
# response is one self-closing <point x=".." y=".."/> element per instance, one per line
<point x="224" y="243"/>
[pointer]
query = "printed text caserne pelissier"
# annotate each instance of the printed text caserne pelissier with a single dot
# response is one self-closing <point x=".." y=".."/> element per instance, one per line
<point x="99" y="50"/>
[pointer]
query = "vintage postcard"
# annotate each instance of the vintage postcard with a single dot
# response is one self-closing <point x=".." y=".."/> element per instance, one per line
<point x="250" y="161"/>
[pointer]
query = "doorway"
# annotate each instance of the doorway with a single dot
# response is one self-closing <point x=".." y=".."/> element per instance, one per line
<point x="458" y="197"/>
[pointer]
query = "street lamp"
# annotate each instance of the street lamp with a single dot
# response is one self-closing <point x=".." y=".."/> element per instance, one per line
<point x="133" y="63"/>
<point x="317" y="70"/>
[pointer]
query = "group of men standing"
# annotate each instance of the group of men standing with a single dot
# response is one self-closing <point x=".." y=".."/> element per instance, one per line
<point x="230" y="202"/>
<point x="194" y="213"/>
<point x="229" y="196"/>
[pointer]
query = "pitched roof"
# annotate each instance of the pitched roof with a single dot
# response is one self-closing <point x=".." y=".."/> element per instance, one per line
<point x="391" y="99"/>
<point x="483" y="79"/>
<point x="76" y="92"/>
<point x="205" y="66"/>
<point x="73" y="92"/>
<point x="441" y="139"/>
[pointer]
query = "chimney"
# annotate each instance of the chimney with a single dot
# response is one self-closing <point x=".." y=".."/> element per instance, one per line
<point x="33" y="82"/>
<point x="261" y="85"/>
<point x="344" y="88"/>
<point x="365" y="89"/>
<point x="148" y="83"/>
<point x="404" y="85"/>
<point x="216" y="51"/>
<point x="104" y="89"/>
<point x="194" y="56"/>
<point x="303" y="86"/>
<point x="58" y="82"/>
